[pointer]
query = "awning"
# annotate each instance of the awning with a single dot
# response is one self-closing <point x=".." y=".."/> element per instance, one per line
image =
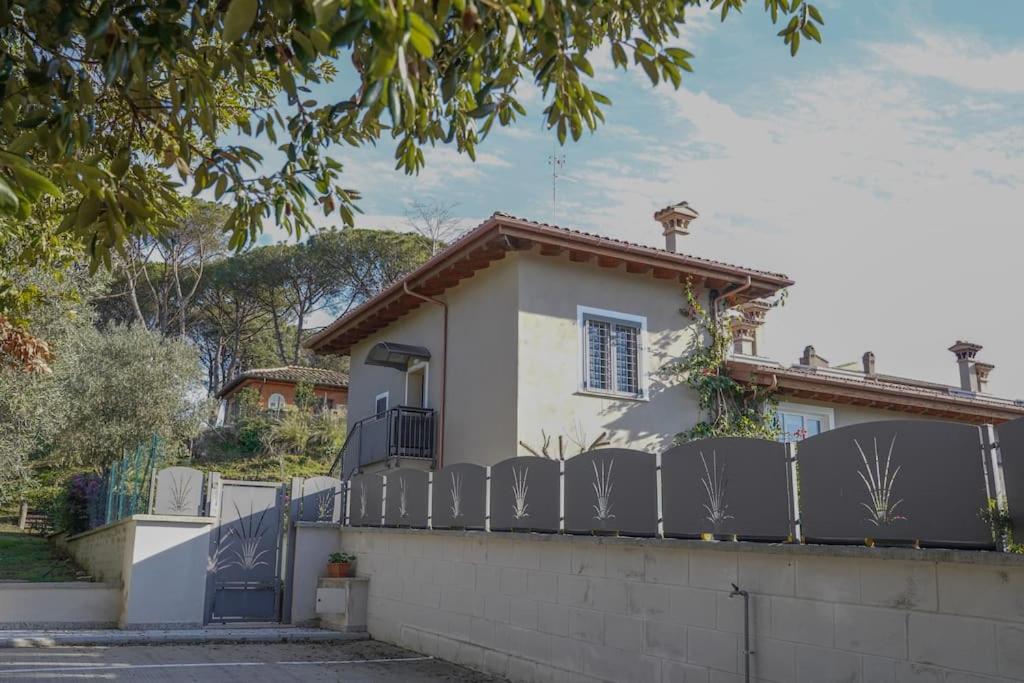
<point x="397" y="356"/>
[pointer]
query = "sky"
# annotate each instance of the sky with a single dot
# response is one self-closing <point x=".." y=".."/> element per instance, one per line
<point x="883" y="171"/>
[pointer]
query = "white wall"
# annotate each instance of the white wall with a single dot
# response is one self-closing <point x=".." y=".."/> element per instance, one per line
<point x="167" y="582"/>
<point x="159" y="563"/>
<point x="562" y="608"/>
<point x="314" y="542"/>
<point x="55" y="605"/>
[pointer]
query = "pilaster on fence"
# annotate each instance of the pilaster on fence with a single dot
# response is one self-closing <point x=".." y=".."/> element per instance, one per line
<point x="794" y="492"/>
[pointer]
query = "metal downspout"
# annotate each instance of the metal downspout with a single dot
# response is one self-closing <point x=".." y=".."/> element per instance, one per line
<point x="444" y="370"/>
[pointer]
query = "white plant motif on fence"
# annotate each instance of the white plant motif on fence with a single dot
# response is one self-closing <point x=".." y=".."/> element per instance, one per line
<point x="181" y="493"/>
<point x="603" y="490"/>
<point x="519" y="489"/>
<point x="249" y="532"/>
<point x="456" y="491"/>
<point x="362" y="500"/>
<point x="403" y="510"/>
<point x="714" y="482"/>
<point x="324" y="507"/>
<point x="879" y="478"/>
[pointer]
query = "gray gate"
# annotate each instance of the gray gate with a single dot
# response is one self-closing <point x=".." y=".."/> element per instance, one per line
<point x="244" y="572"/>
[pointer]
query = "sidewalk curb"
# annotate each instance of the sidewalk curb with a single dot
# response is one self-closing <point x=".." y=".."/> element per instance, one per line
<point x="30" y="639"/>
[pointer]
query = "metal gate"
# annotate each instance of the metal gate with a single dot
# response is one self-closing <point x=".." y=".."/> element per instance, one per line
<point x="244" y="571"/>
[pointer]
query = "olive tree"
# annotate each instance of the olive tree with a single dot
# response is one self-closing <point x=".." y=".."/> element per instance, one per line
<point x="122" y="385"/>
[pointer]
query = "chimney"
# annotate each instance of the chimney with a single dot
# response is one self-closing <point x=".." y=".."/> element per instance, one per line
<point x="869" y="364"/>
<point x="675" y="223"/>
<point x="982" y="370"/>
<point x="811" y="358"/>
<point x="973" y="374"/>
<point x="745" y="326"/>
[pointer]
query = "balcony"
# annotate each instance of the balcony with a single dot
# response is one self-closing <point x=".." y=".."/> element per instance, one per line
<point x="401" y="432"/>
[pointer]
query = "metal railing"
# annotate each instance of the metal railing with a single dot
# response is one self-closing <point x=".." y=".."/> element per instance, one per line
<point x="401" y="432"/>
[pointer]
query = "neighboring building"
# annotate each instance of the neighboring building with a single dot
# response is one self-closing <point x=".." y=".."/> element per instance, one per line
<point x="276" y="387"/>
<point x="521" y="330"/>
<point x="814" y="397"/>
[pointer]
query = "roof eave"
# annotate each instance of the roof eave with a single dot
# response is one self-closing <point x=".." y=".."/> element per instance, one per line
<point x="875" y="395"/>
<point x="499" y="235"/>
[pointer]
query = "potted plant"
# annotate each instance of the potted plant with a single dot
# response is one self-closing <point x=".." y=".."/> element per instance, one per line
<point x="339" y="565"/>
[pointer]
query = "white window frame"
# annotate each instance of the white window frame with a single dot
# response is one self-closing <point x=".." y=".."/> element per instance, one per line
<point x="415" y="367"/>
<point x="825" y="414"/>
<point x="270" y="400"/>
<point x="386" y="395"/>
<point x="641" y="353"/>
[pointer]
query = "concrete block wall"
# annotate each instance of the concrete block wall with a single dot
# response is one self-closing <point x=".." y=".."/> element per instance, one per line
<point x="103" y="551"/>
<point x="563" y="608"/>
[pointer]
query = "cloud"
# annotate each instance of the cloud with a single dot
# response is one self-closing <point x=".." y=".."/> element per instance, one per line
<point x="893" y="218"/>
<point x="969" y="64"/>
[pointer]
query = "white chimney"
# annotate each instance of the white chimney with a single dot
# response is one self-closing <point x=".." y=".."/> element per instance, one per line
<point x="973" y="375"/>
<point x="675" y="223"/>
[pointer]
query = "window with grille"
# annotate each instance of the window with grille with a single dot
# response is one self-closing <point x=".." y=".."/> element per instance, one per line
<point x="611" y="353"/>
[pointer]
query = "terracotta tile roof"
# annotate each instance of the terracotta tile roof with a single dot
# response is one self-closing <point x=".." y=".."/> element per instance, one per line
<point x="320" y="377"/>
<point x="497" y="235"/>
<point x="882" y="391"/>
<point x="644" y="247"/>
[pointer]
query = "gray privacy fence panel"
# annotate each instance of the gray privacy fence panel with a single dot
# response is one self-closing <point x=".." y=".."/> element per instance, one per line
<point x="406" y="503"/>
<point x="611" y="490"/>
<point x="367" y="499"/>
<point x="321" y="500"/>
<point x="902" y="480"/>
<point x="727" y="486"/>
<point x="1010" y="437"/>
<point x="525" y="494"/>
<point x="178" y="491"/>
<point x="459" y="495"/>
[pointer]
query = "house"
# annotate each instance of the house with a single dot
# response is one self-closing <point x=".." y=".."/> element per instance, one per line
<point x="815" y="397"/>
<point x="525" y="333"/>
<point x="276" y="387"/>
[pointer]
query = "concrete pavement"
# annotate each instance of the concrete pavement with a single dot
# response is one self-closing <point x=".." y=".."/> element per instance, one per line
<point x="225" y="663"/>
<point x="210" y="634"/>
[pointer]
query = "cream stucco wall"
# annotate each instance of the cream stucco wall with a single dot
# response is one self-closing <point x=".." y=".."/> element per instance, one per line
<point x="515" y="359"/>
<point x="422" y="327"/>
<point x="481" y="386"/>
<point x="846" y="415"/>
<point x="550" y="289"/>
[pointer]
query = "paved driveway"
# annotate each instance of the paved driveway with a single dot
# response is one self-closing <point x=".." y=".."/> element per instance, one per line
<point x="353" y="661"/>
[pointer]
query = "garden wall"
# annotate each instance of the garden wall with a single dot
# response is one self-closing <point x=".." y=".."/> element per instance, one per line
<point x="59" y="605"/>
<point x="159" y="562"/>
<point x="584" y="608"/>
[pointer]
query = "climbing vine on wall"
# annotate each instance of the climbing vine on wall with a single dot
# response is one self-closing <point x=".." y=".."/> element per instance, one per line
<point x="728" y="407"/>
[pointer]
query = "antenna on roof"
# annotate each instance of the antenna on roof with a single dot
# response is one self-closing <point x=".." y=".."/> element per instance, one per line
<point x="557" y="163"/>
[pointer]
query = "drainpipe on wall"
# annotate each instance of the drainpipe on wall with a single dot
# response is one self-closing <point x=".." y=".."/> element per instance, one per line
<point x="724" y="296"/>
<point x="444" y="371"/>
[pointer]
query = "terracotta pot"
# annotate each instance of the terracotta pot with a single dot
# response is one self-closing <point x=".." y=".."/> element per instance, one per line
<point x="338" y="570"/>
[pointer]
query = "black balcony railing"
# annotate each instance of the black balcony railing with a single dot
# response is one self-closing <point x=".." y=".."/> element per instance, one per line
<point x="401" y="432"/>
